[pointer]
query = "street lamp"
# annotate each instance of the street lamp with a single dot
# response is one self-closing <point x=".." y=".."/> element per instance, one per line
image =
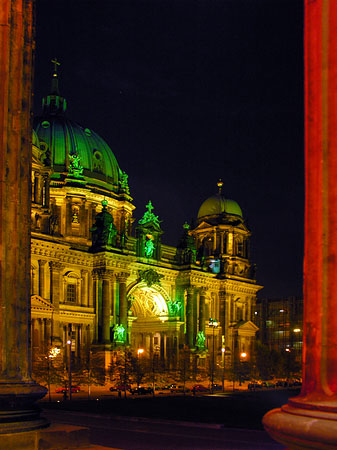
<point x="69" y="368"/>
<point x="223" y="351"/>
<point x="53" y="352"/>
<point x="140" y="351"/>
<point x="213" y="323"/>
<point x="243" y="356"/>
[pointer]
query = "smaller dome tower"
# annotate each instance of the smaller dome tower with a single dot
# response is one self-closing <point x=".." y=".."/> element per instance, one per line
<point x="222" y="237"/>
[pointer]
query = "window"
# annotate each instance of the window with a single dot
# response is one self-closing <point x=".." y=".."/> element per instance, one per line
<point x="71" y="293"/>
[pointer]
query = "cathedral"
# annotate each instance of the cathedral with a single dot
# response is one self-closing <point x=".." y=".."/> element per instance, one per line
<point x="103" y="281"/>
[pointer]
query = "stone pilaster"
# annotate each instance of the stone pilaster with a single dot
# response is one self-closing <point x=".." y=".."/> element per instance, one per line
<point x="309" y="421"/>
<point x="123" y="304"/>
<point x="42" y="264"/>
<point x="189" y="317"/>
<point x="55" y="280"/>
<point x="106" y="307"/>
<point x="18" y="392"/>
<point x="202" y="317"/>
<point x="222" y="312"/>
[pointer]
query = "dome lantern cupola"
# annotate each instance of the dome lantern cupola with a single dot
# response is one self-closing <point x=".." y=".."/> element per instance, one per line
<point x="222" y="238"/>
<point x="218" y="205"/>
<point x="54" y="103"/>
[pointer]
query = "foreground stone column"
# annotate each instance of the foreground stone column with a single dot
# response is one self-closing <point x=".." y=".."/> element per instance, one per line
<point x="18" y="391"/>
<point x="310" y="420"/>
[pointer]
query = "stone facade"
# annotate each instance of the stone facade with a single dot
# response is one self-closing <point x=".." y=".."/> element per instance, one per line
<point x="116" y="283"/>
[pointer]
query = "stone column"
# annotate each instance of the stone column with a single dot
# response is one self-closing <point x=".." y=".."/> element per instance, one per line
<point x="18" y="392"/>
<point x="310" y="420"/>
<point x="106" y="308"/>
<point x="84" y="287"/>
<point x="123" y="307"/>
<point x="55" y="271"/>
<point x="42" y="264"/>
<point x="68" y="215"/>
<point x="202" y="317"/>
<point x="189" y="318"/>
<point x="222" y="312"/>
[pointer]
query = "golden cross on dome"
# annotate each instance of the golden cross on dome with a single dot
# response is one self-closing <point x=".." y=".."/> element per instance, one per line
<point x="220" y="184"/>
<point x="56" y="63"/>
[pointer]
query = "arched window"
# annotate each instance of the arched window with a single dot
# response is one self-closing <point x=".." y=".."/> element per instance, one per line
<point x="71" y="288"/>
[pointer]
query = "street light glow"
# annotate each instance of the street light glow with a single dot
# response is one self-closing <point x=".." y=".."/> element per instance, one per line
<point x="297" y="330"/>
<point x="213" y="323"/>
<point x="243" y="355"/>
<point x="140" y="351"/>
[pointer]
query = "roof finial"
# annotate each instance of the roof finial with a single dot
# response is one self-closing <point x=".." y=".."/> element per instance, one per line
<point x="220" y="184"/>
<point x="56" y="63"/>
<point x="54" y="81"/>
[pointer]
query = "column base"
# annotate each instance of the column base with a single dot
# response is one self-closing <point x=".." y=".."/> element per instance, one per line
<point x="299" y="425"/>
<point x="18" y="411"/>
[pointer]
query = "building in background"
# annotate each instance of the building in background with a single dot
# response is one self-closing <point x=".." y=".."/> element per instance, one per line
<point x="280" y="323"/>
<point x="103" y="281"/>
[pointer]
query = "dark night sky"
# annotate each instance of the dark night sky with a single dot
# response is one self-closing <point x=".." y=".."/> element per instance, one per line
<point x="186" y="92"/>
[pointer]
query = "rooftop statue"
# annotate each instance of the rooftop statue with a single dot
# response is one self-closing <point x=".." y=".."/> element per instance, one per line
<point x="104" y="231"/>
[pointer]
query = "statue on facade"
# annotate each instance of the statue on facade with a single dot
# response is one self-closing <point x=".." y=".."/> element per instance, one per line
<point x="104" y="231"/>
<point x="150" y="277"/>
<point x="149" y="248"/>
<point x="174" y="308"/>
<point x="200" y="340"/>
<point x="119" y="333"/>
<point x="124" y="184"/>
<point x="149" y="217"/>
<point x="186" y="251"/>
<point x="75" y="168"/>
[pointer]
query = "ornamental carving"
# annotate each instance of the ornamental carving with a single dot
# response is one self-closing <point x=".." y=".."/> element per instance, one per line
<point x="150" y="277"/>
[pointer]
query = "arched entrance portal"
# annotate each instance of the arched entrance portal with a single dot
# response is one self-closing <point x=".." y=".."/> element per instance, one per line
<point x="149" y="324"/>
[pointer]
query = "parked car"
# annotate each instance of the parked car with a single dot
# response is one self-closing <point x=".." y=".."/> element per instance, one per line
<point x="175" y="388"/>
<point x="254" y="386"/>
<point x="120" y="387"/>
<point x="62" y="390"/>
<point x="199" y="388"/>
<point x="268" y="384"/>
<point x="283" y="384"/>
<point x="141" y="390"/>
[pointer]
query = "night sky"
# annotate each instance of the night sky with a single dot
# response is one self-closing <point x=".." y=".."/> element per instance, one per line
<point x="187" y="92"/>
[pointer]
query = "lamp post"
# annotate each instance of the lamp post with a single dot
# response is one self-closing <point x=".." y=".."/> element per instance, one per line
<point x="69" y="367"/>
<point x="213" y="323"/>
<point x="140" y="351"/>
<point x="223" y="351"/>
<point x="243" y="356"/>
<point x="53" y="352"/>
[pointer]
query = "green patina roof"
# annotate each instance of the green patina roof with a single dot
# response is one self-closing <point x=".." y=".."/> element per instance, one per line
<point x="218" y="204"/>
<point x="65" y="138"/>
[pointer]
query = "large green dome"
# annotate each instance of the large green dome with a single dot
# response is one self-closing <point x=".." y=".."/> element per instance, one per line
<point x="63" y="138"/>
<point x="66" y="141"/>
<point x="218" y="204"/>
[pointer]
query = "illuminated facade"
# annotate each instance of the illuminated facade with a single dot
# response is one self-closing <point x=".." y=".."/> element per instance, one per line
<point x="109" y="282"/>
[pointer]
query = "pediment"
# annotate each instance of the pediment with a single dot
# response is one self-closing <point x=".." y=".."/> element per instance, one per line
<point x="246" y="328"/>
<point x="202" y="225"/>
<point x="38" y="302"/>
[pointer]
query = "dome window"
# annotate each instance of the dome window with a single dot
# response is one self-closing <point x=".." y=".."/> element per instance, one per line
<point x="98" y="162"/>
<point x="87" y="132"/>
<point x="45" y="124"/>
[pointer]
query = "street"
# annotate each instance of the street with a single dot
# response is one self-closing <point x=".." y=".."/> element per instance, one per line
<point x="142" y="434"/>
